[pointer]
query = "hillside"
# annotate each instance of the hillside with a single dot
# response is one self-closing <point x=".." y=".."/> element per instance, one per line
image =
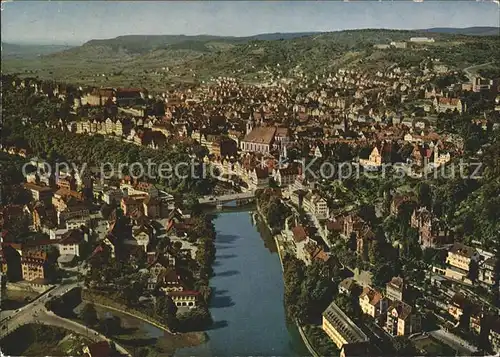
<point x="152" y="61"/>
<point x="469" y="31"/>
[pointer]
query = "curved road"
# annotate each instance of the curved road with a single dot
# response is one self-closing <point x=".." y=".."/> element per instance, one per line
<point x="35" y="312"/>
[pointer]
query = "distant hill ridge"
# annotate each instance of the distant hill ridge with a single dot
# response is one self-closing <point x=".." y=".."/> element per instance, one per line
<point x="145" y="43"/>
<point x="141" y="44"/>
<point x="470" y="31"/>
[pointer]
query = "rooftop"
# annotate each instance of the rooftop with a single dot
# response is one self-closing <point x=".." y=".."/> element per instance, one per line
<point x="343" y="324"/>
<point x="261" y="135"/>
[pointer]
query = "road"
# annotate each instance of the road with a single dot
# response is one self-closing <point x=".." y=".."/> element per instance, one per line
<point x="454" y="342"/>
<point x="35" y="312"/>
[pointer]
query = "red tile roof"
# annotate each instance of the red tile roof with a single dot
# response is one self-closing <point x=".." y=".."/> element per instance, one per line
<point x="299" y="234"/>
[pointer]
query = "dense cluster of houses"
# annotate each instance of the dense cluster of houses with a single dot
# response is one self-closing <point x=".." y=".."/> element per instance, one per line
<point x="63" y="208"/>
<point x="250" y="132"/>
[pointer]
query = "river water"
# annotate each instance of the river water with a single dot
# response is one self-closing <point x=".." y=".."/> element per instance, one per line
<point x="247" y="301"/>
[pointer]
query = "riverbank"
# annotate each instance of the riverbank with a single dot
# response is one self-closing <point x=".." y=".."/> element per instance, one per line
<point x="103" y="301"/>
<point x="138" y="336"/>
<point x="247" y="293"/>
<point x="281" y="249"/>
<point x="166" y="342"/>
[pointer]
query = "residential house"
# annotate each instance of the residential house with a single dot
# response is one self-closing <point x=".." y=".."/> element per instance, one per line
<point x="372" y="302"/>
<point x="259" y="177"/>
<point x="39" y="193"/>
<point x="141" y="237"/>
<point x="158" y="267"/>
<point x="151" y="207"/>
<point x="112" y="195"/>
<point x="461" y="256"/>
<point x="286" y="176"/>
<point x="402" y="320"/>
<point x="443" y="104"/>
<point x="67" y="182"/>
<point x="394" y="289"/>
<point x="429" y="232"/>
<point x="185" y="298"/>
<point x="316" y="205"/>
<point x="346" y="286"/>
<point x="171" y="281"/>
<point x="70" y="242"/>
<point x="300" y="239"/>
<point x="494" y="335"/>
<point x="352" y="224"/>
<point x="34" y="265"/>
<point x="476" y="319"/>
<point x="488" y="271"/>
<point x="314" y="252"/>
<point x="131" y="204"/>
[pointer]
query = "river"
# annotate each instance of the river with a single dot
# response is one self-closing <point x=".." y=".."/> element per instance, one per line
<point x="247" y="302"/>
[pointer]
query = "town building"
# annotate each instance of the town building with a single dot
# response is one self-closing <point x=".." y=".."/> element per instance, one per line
<point x="316" y="205"/>
<point x="286" y="176"/>
<point x="372" y="302"/>
<point x="422" y="39"/>
<point x="401" y="320"/>
<point x="443" y="104"/>
<point x="346" y="286"/>
<point x="494" y="335"/>
<point x="34" y="265"/>
<point x="461" y="256"/>
<point x="374" y="160"/>
<point x="340" y="328"/>
<point x="185" y="298"/>
<point x="488" y="272"/>
<point x="38" y="192"/>
<point x="259" y="139"/>
<point x="394" y="289"/>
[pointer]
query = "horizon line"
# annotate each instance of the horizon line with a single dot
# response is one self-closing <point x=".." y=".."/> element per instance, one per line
<point x="78" y="43"/>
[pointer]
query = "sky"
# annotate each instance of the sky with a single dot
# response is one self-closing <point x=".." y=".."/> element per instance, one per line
<point x="75" y="22"/>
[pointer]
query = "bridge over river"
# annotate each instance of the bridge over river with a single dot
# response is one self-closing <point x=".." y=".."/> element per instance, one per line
<point x="239" y="198"/>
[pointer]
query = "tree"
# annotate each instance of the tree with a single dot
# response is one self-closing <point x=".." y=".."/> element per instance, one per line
<point x="367" y="213"/>
<point x="404" y="347"/>
<point x="383" y="274"/>
<point x="196" y="319"/>
<point x="345" y="303"/>
<point x="110" y="325"/>
<point x="143" y="352"/>
<point x="166" y="311"/>
<point x="374" y="252"/>
<point x="424" y="194"/>
<point x="89" y="315"/>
